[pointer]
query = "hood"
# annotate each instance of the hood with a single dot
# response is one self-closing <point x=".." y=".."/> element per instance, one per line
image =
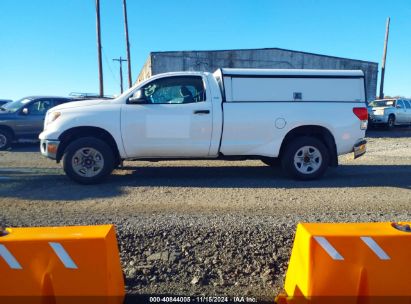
<point x="81" y="103"/>
<point x="4" y="114"/>
<point x="381" y="108"/>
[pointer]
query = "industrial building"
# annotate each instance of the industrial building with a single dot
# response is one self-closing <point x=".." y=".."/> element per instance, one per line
<point x="271" y="58"/>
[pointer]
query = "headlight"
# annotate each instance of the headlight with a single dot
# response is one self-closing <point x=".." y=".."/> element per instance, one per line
<point x="51" y="117"/>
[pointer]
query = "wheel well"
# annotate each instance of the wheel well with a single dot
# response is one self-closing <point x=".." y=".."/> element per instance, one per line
<point x="8" y="129"/>
<point x="71" y="134"/>
<point x="321" y="133"/>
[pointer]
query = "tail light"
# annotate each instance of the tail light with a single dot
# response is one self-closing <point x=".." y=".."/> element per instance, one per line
<point x="361" y="113"/>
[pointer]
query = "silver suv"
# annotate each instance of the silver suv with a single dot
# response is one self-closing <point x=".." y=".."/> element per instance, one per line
<point x="390" y="112"/>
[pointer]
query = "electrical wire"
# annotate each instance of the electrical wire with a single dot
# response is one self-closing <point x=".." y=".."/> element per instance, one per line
<point x="109" y="67"/>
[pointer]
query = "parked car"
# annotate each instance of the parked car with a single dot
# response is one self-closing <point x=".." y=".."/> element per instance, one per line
<point x="4" y="101"/>
<point x="24" y="118"/>
<point x="390" y="112"/>
<point x="305" y="118"/>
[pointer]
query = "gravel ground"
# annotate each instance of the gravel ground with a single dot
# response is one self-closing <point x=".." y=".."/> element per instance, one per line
<point x="209" y="227"/>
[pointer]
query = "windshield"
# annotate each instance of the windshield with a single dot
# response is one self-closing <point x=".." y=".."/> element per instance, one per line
<point x="127" y="92"/>
<point x="382" y="103"/>
<point x="14" y="106"/>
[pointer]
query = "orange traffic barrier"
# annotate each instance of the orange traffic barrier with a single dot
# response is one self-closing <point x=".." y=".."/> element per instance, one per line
<point x="56" y="264"/>
<point x="349" y="263"/>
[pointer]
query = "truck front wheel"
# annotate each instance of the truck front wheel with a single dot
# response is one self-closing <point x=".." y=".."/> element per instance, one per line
<point x="391" y="122"/>
<point x="88" y="160"/>
<point x="305" y="158"/>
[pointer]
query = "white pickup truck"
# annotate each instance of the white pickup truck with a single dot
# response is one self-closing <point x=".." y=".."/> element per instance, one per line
<point x="303" y="119"/>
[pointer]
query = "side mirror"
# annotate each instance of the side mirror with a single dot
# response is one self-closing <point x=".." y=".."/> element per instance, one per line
<point x="138" y="98"/>
<point x="398" y="107"/>
<point x="25" y="111"/>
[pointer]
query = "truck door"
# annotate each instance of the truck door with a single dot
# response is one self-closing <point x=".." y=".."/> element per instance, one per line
<point x="401" y="112"/>
<point x="168" y="117"/>
<point x="407" y="104"/>
<point x="31" y="118"/>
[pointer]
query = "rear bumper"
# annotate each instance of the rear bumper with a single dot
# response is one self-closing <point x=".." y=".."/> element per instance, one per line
<point x="49" y="148"/>
<point x="360" y="148"/>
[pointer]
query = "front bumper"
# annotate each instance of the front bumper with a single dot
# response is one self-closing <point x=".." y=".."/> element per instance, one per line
<point x="360" y="148"/>
<point x="377" y="119"/>
<point x="49" y="148"/>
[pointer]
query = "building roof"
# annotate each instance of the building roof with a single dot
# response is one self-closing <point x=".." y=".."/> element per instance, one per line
<point x="263" y="49"/>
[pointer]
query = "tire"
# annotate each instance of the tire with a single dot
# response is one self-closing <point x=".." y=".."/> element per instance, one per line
<point x="391" y="122"/>
<point x="297" y="162"/>
<point x="272" y="162"/>
<point x="5" y="139"/>
<point x="88" y="160"/>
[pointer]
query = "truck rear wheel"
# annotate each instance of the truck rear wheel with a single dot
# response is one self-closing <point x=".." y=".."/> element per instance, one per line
<point x="88" y="160"/>
<point x="305" y="158"/>
<point x="5" y="139"/>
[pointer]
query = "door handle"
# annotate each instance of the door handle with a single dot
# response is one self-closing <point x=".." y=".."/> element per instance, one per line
<point x="202" y="112"/>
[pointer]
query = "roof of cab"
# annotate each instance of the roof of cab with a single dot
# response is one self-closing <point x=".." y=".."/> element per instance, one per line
<point x="291" y="72"/>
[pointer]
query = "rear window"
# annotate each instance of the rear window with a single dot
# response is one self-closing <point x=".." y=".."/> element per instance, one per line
<point x="60" y="101"/>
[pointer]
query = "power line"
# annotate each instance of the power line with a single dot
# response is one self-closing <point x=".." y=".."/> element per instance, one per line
<point x="109" y="67"/>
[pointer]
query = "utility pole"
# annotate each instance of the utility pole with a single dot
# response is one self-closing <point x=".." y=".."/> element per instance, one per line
<point x="384" y="56"/>
<point x="127" y="44"/>
<point x="100" y="63"/>
<point x="121" y="60"/>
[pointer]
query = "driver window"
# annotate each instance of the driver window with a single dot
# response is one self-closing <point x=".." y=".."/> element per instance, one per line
<point x="174" y="90"/>
<point x="40" y="107"/>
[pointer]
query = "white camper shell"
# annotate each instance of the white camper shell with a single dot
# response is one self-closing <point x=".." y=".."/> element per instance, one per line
<point x="270" y="85"/>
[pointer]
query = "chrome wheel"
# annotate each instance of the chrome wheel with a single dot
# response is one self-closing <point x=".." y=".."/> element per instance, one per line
<point x="3" y="141"/>
<point x="307" y="159"/>
<point x="87" y="162"/>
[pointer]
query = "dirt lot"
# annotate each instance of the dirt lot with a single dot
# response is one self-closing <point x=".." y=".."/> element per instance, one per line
<point x="209" y="227"/>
